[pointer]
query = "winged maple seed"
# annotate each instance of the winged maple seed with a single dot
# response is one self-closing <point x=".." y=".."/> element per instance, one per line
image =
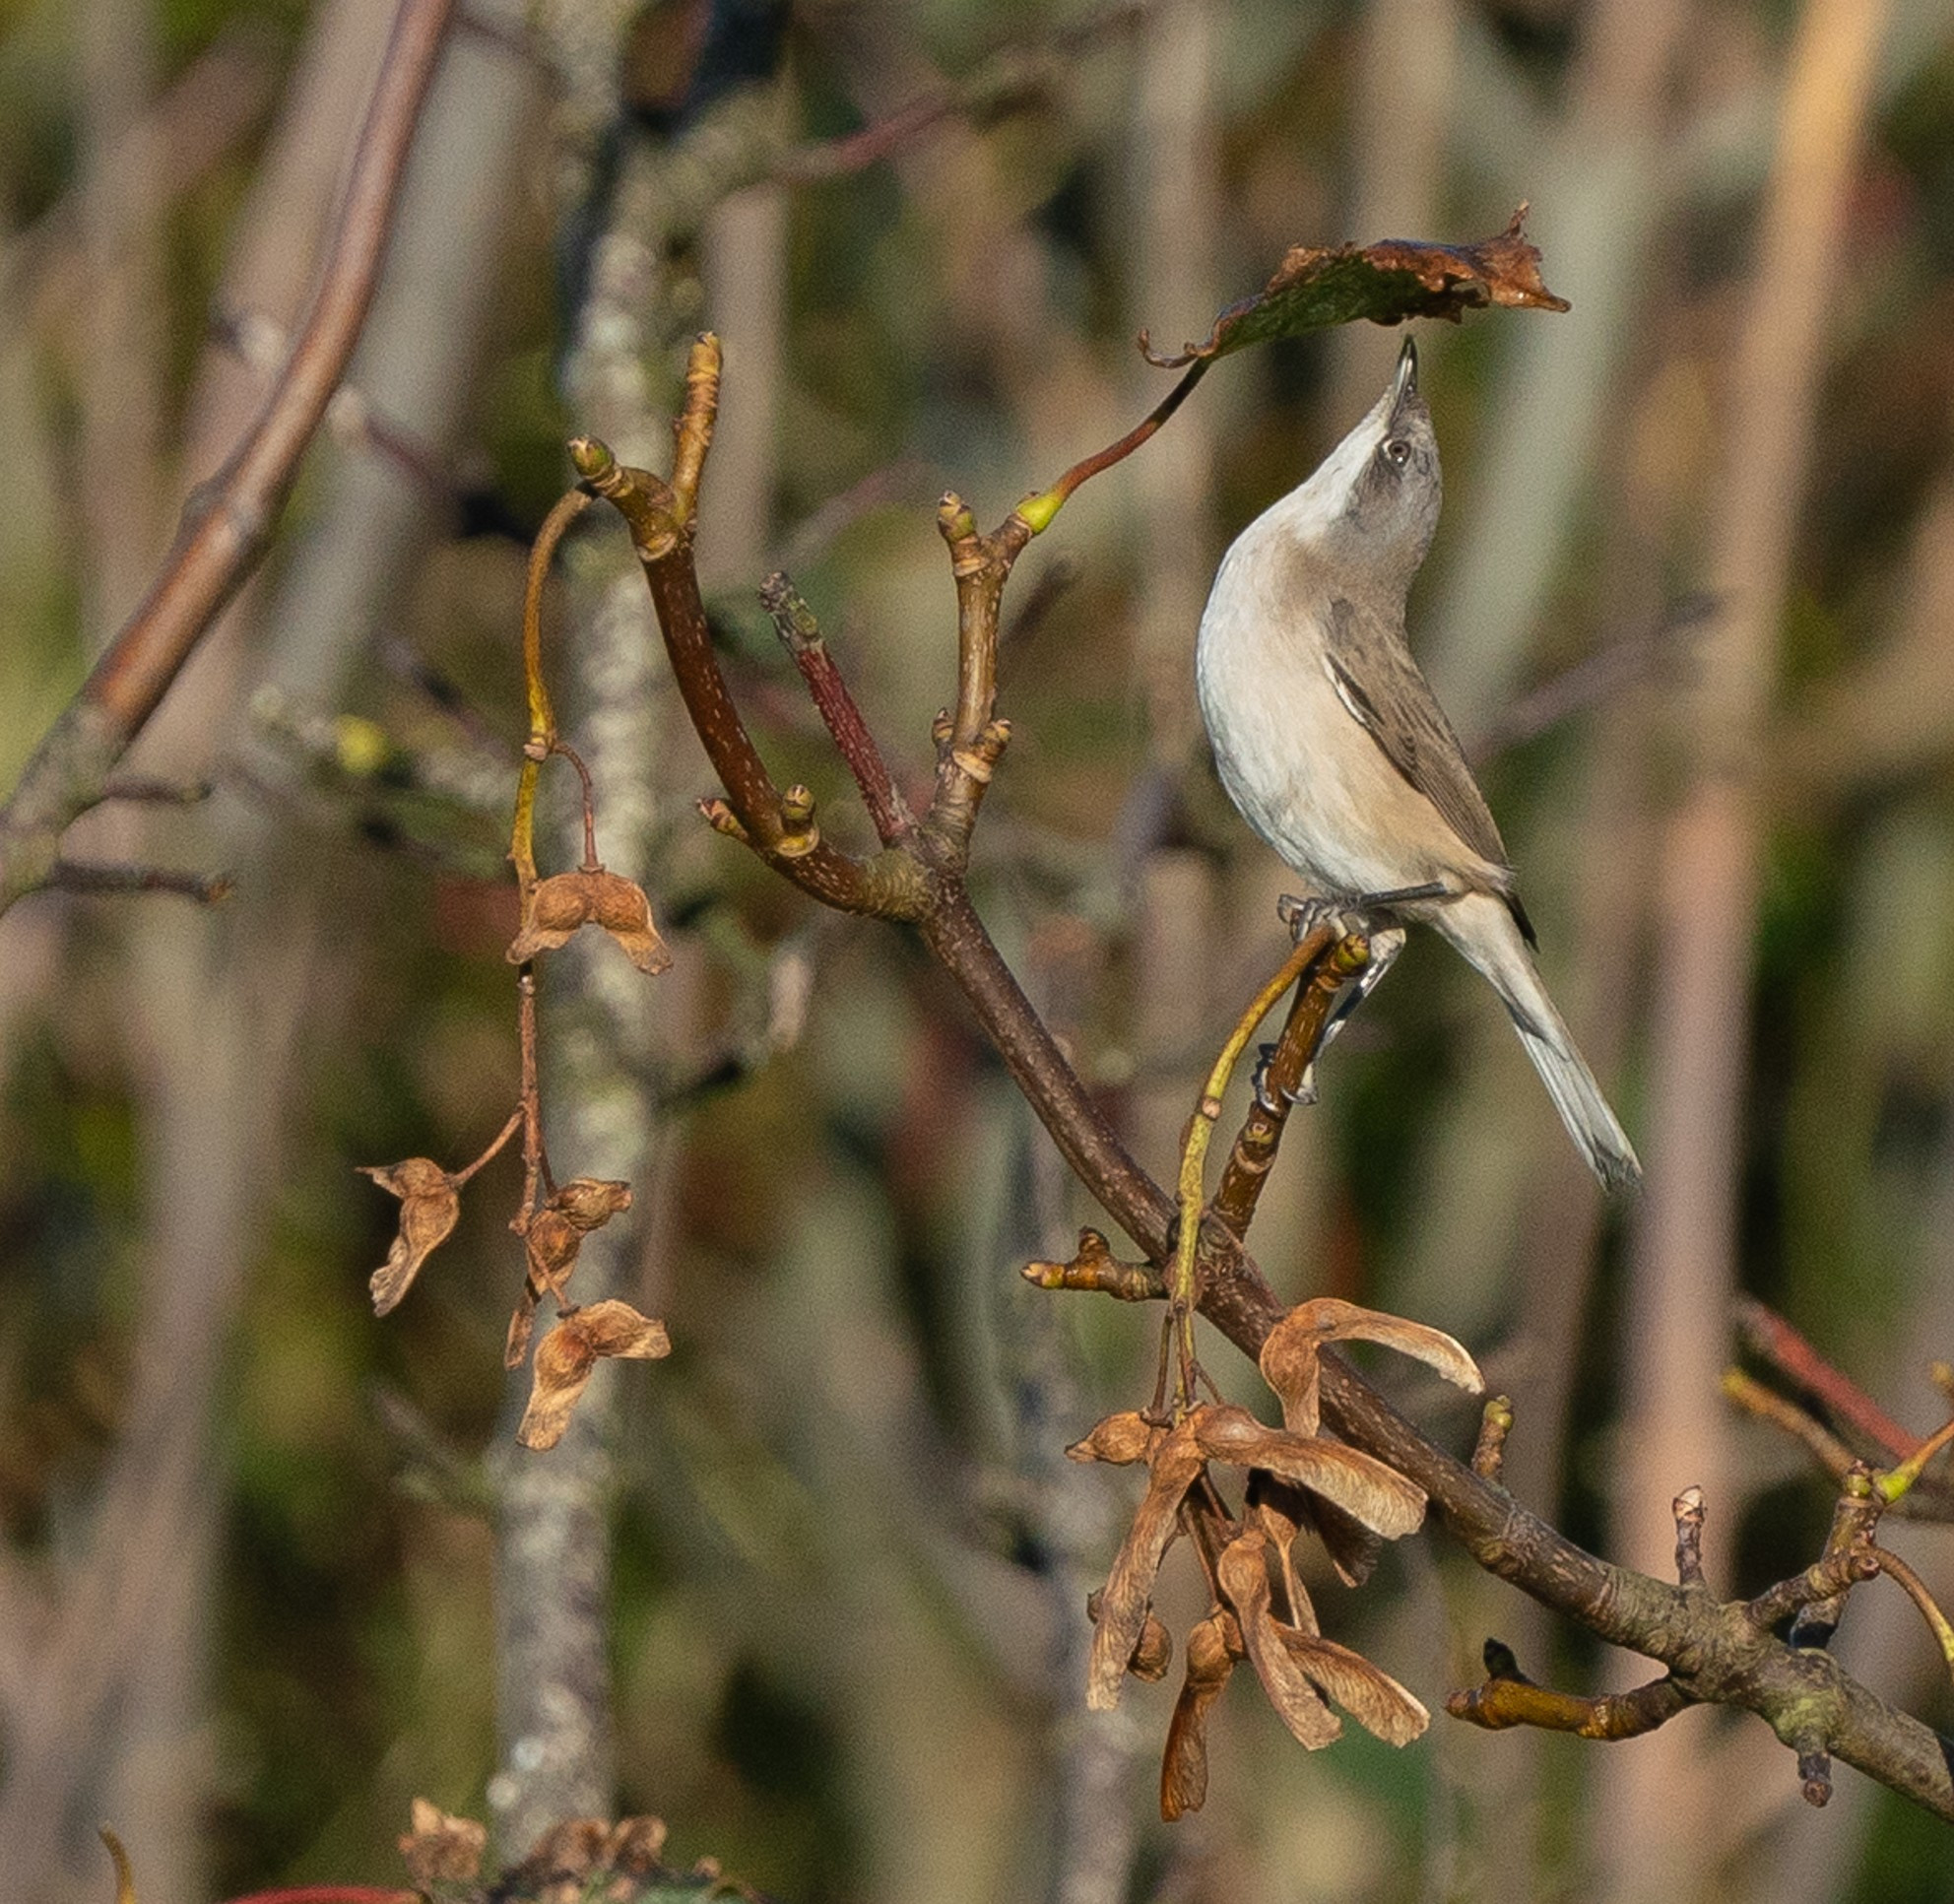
<point x="566" y="901"/>
<point x="566" y="1357"/>
<point x="551" y="1240"/>
<point x="1297" y="1479"/>
<point x="431" y="1207"/>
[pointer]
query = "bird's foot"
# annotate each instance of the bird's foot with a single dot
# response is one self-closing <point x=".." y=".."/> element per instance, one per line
<point x="1303" y="913"/>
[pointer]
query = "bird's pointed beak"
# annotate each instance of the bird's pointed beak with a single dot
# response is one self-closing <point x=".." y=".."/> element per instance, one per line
<point x="1407" y="382"/>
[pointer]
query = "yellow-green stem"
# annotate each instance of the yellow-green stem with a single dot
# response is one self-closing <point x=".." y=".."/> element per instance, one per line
<point x="542" y="719"/>
<point x="1895" y="1481"/>
<point x="1200" y="1128"/>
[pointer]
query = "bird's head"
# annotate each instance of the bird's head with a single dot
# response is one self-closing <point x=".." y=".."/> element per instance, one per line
<point x="1371" y="509"/>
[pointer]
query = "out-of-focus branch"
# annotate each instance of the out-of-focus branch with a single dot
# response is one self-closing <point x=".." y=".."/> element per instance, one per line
<point x="1770" y="1337"/>
<point x="1907" y="1489"/>
<point x="1015" y="78"/>
<point x="229" y="519"/>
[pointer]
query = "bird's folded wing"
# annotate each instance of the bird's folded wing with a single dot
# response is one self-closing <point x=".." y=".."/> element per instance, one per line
<point x="1379" y="683"/>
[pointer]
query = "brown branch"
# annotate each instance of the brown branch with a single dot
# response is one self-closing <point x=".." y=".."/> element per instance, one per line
<point x="794" y="621"/>
<point x="1095" y="1267"/>
<point x="230" y="519"/>
<point x="890" y="886"/>
<point x="1717" y="1652"/>
<point x="72" y="876"/>
<point x="971" y="741"/>
<point x="1261" y="1135"/>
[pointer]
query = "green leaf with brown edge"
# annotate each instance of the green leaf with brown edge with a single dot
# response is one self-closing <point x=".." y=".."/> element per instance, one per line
<point x="1317" y="287"/>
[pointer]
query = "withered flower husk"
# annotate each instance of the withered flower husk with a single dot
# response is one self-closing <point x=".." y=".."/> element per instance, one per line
<point x="1243" y="1577"/>
<point x="563" y="902"/>
<point x="1174" y="1463"/>
<point x="1213" y="1645"/>
<point x="431" y="1207"/>
<point x="441" y="1848"/>
<point x="1291" y="1357"/>
<point x="566" y="1357"/>
<point x="1379" y="1496"/>
<point x="550" y="1243"/>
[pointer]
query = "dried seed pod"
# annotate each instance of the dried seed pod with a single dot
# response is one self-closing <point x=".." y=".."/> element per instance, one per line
<point x="1379" y="1496"/>
<point x="1154" y="1653"/>
<point x="431" y="1207"/>
<point x="566" y="1357"/>
<point x="1175" y="1462"/>
<point x="550" y="1243"/>
<point x="1243" y="1575"/>
<point x="566" y="901"/>
<point x="1214" y="1646"/>
<point x="1291" y="1356"/>
<point x="1368" y="1693"/>
<point x="1120" y="1438"/>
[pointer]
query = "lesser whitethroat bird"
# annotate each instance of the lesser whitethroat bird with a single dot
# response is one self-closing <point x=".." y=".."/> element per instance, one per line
<point x="1333" y="745"/>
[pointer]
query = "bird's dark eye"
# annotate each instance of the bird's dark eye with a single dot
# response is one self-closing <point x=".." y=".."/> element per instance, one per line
<point x="1397" y="452"/>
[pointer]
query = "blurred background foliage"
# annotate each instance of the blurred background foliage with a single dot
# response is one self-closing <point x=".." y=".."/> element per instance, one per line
<point x="250" y="1566"/>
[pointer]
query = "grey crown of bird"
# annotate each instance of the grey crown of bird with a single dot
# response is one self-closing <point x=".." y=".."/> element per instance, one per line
<point x="1333" y="747"/>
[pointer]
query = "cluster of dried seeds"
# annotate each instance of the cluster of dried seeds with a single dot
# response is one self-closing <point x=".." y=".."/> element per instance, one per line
<point x="1298" y="1479"/>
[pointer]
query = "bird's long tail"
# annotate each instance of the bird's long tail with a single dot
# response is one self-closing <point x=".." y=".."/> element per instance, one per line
<point x="1484" y="931"/>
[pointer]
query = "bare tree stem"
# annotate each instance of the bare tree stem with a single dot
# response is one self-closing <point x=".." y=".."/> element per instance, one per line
<point x="230" y="520"/>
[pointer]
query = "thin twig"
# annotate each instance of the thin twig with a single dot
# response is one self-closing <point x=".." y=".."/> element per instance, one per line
<point x="1509" y="1698"/>
<point x="800" y="635"/>
<point x="1897" y="1572"/>
<point x="1261" y="1135"/>
<point x="1769" y="1336"/>
<point x="1489" y="1450"/>
<point x="1688" y="1509"/>
<point x="76" y="876"/>
<point x="230" y="519"/>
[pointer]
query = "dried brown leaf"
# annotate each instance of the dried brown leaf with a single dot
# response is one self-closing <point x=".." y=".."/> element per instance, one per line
<point x="1316" y="287"/>
<point x="1184" y="1765"/>
<point x="1243" y="1577"/>
<point x="573" y="1848"/>
<point x="431" y="1207"/>
<point x="1379" y="1496"/>
<point x="566" y="1357"/>
<point x="1368" y="1693"/>
<point x="1175" y="1463"/>
<point x="441" y="1848"/>
<point x="1121" y="1438"/>
<point x="1291" y="1358"/>
<point x="563" y="902"/>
